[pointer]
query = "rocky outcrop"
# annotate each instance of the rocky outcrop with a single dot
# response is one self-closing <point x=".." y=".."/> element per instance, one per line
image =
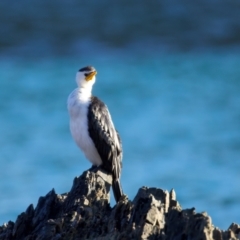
<point x="85" y="213"/>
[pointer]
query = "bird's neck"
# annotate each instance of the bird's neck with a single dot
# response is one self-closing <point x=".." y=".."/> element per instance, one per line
<point x="85" y="93"/>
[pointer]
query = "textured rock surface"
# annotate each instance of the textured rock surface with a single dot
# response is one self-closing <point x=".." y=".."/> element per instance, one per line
<point x="85" y="213"/>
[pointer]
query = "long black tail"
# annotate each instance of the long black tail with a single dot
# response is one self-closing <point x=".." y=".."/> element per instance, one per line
<point x="117" y="189"/>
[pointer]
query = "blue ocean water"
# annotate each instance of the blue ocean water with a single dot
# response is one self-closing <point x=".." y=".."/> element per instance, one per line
<point x="178" y="116"/>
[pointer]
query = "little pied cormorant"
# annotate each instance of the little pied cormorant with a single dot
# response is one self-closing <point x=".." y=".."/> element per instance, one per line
<point x="93" y="130"/>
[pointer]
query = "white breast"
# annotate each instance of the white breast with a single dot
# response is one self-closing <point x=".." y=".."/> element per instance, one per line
<point x="78" y="103"/>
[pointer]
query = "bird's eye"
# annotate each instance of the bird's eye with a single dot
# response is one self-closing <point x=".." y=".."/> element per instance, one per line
<point x="86" y="74"/>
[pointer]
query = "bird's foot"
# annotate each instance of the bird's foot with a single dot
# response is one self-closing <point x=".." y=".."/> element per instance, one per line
<point x="93" y="168"/>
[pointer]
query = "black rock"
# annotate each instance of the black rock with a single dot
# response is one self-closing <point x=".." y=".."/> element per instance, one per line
<point x="85" y="213"/>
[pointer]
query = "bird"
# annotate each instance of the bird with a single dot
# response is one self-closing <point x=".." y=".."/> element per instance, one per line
<point x="92" y="128"/>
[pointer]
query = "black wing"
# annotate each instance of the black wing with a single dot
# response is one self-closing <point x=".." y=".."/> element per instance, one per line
<point x="105" y="137"/>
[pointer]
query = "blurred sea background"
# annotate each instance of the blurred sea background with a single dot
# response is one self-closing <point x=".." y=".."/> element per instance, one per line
<point x="169" y="72"/>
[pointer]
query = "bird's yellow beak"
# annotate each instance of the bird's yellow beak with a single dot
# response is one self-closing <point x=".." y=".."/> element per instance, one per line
<point x="90" y="75"/>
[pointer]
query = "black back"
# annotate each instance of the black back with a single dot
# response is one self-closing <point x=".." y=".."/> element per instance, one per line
<point x="105" y="137"/>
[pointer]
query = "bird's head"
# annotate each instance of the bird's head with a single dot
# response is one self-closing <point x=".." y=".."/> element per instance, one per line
<point x="86" y="77"/>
